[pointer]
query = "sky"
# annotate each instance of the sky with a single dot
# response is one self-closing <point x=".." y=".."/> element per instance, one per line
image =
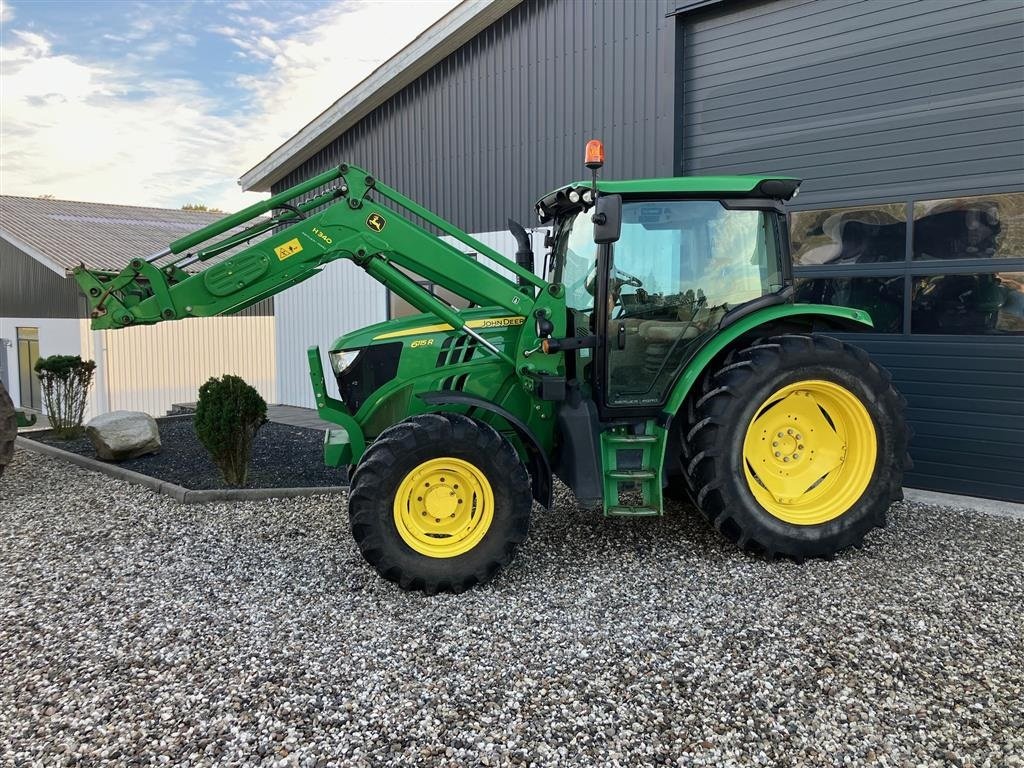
<point x="168" y="103"/>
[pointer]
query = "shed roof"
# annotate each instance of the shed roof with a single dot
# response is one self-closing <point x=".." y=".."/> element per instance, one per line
<point x="64" y="233"/>
<point x="444" y="37"/>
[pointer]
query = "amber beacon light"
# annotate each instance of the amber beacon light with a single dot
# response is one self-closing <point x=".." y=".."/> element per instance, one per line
<point x="594" y="157"/>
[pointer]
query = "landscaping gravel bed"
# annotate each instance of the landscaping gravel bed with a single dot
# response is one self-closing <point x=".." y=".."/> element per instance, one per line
<point x="134" y="631"/>
<point x="283" y="456"/>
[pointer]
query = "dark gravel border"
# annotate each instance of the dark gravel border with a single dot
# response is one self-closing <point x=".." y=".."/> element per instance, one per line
<point x="287" y="461"/>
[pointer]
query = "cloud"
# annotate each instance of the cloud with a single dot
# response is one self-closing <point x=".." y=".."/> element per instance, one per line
<point x="88" y="132"/>
<point x="6" y="12"/>
<point x="113" y="131"/>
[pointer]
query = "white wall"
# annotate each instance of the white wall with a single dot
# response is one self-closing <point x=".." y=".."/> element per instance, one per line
<point x="57" y="336"/>
<point x="149" y="368"/>
<point x="340" y="299"/>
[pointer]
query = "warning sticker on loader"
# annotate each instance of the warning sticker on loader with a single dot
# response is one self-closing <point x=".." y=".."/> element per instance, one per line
<point x="290" y="248"/>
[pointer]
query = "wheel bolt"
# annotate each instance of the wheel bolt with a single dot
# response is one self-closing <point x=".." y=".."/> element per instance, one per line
<point x="775" y="444"/>
<point x="780" y="434"/>
<point x="786" y="458"/>
<point x="789" y="431"/>
<point x="777" y="454"/>
<point x="800" y="446"/>
<point x="796" y="456"/>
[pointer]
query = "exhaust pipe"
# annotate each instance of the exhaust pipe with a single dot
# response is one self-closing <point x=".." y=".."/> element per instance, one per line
<point x="524" y="252"/>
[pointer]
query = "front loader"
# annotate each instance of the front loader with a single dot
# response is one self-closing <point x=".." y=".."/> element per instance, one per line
<point x="660" y="355"/>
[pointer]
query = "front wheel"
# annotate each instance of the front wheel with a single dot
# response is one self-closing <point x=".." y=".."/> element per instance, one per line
<point x="797" y="447"/>
<point x="439" y="503"/>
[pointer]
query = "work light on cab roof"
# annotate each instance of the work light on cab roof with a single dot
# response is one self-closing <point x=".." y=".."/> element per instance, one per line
<point x="660" y="354"/>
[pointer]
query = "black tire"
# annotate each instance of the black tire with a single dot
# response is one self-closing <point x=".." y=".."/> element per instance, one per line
<point x="734" y="395"/>
<point x="8" y="428"/>
<point x="402" y="448"/>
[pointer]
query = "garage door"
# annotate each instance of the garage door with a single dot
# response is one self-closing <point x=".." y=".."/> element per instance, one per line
<point x="906" y="122"/>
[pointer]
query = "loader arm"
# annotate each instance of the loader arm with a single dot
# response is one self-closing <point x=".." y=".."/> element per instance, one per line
<point x="346" y="219"/>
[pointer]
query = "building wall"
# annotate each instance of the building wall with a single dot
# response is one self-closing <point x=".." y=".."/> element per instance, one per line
<point x="504" y="119"/>
<point x="340" y="299"/>
<point x="150" y="368"/>
<point x="30" y="289"/>
<point x="863" y="101"/>
<point x="57" y="336"/>
<point x="906" y="122"/>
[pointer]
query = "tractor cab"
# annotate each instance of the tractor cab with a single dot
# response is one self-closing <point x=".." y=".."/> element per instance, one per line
<point x="686" y="256"/>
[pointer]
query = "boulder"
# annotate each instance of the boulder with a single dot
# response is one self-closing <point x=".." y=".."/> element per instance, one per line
<point x="121" y="435"/>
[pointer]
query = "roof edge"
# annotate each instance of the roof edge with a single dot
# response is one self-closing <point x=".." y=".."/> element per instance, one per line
<point x="43" y="259"/>
<point x="433" y="45"/>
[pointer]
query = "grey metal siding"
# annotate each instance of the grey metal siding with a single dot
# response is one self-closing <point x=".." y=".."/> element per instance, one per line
<point x="504" y="119"/>
<point x="965" y="404"/>
<point x="28" y="289"/>
<point x="863" y="100"/>
<point x="871" y="102"/>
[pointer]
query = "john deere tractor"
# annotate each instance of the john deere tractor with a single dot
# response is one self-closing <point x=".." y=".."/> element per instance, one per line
<point x="660" y="355"/>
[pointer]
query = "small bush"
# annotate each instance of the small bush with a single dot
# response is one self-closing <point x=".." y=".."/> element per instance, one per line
<point x="228" y="416"/>
<point x="64" y="381"/>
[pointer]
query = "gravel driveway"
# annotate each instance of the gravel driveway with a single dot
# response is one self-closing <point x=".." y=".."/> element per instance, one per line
<point x="136" y="631"/>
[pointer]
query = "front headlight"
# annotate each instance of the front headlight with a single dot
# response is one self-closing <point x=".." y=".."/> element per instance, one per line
<point x="340" y="361"/>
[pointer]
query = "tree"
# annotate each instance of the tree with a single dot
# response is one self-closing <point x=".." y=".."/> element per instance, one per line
<point x="64" y="381"/>
<point x="200" y="207"/>
<point x="228" y="415"/>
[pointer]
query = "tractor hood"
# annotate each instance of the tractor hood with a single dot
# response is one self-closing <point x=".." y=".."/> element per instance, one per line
<point x="484" y="320"/>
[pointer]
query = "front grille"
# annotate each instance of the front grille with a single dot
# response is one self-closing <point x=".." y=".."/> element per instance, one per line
<point x="372" y="369"/>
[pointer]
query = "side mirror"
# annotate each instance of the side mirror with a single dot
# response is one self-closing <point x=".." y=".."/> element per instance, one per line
<point x="607" y="219"/>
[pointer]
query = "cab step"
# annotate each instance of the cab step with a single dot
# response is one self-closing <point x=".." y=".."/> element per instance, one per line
<point x="619" y="511"/>
<point x="625" y="475"/>
<point x="631" y="468"/>
<point x="619" y="437"/>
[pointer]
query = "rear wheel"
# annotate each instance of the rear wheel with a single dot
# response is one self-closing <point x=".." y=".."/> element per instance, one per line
<point x="8" y="428"/>
<point x="797" y="447"/>
<point x="440" y="502"/>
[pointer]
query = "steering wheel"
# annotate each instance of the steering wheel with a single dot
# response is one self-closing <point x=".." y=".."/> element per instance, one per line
<point x="623" y="278"/>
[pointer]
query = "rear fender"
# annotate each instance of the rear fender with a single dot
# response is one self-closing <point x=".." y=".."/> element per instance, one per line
<point x="809" y="315"/>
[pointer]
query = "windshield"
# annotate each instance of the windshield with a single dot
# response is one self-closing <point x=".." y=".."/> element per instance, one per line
<point x="672" y="253"/>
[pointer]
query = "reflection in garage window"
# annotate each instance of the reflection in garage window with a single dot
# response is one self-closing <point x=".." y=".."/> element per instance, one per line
<point x="987" y="227"/>
<point x="866" y="234"/>
<point x="978" y="303"/>
<point x="881" y="297"/>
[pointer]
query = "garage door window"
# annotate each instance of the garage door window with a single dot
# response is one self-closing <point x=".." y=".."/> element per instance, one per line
<point x="865" y="234"/>
<point x="979" y="303"/>
<point x="981" y="227"/>
<point x="882" y="297"/>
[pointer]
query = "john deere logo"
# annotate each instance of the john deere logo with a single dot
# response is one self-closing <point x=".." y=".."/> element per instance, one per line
<point x="375" y="222"/>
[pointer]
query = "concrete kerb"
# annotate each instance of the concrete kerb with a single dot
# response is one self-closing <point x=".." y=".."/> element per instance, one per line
<point x="177" y="492"/>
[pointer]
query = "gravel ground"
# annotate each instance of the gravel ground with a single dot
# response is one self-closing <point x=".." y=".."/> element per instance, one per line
<point x="135" y="631"/>
<point x="282" y="457"/>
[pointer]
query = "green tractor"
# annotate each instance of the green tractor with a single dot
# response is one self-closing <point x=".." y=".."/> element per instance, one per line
<point x="661" y="355"/>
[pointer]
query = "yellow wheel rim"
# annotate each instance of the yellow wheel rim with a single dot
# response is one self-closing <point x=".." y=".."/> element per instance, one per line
<point x="444" y="507"/>
<point x="809" y="452"/>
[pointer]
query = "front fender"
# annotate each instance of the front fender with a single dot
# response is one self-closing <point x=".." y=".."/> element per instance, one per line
<point x="717" y="343"/>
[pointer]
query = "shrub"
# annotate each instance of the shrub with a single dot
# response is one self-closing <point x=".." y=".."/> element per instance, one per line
<point x="228" y="415"/>
<point x="64" y="381"/>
